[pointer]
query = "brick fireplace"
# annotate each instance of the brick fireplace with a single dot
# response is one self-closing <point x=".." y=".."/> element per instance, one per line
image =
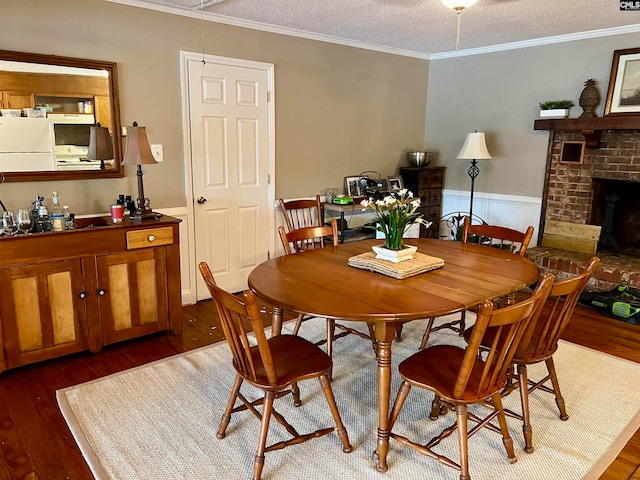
<point x="600" y="190"/>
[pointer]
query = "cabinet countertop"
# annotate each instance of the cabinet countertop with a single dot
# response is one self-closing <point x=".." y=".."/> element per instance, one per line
<point x="104" y="237"/>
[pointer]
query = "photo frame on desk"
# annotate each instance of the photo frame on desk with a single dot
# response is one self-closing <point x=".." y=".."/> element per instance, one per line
<point x="395" y="183"/>
<point x="352" y="186"/>
<point x="623" y="94"/>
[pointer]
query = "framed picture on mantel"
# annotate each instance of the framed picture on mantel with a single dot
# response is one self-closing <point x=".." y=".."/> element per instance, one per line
<point x="623" y="95"/>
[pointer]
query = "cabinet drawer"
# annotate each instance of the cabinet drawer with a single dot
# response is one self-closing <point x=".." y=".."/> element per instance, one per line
<point x="152" y="237"/>
<point x="430" y="179"/>
<point x="431" y="197"/>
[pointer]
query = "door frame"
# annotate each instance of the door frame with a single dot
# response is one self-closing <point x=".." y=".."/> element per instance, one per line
<point x="185" y="57"/>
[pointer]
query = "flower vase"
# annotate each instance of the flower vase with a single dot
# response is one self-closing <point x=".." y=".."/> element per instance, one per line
<point x="395" y="256"/>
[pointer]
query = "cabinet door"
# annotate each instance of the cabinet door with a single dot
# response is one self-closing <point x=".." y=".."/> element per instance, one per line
<point x="18" y="100"/>
<point x="132" y="289"/>
<point x="42" y="311"/>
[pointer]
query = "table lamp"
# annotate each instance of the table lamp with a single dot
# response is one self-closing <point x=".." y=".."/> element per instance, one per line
<point x="474" y="148"/>
<point x="100" y="145"/>
<point x="138" y="152"/>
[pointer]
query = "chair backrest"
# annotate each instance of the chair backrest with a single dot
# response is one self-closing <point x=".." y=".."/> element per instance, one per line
<point x="540" y="340"/>
<point x="235" y="314"/>
<point x="308" y="238"/>
<point x="497" y="236"/>
<point x="509" y="324"/>
<point x="301" y="213"/>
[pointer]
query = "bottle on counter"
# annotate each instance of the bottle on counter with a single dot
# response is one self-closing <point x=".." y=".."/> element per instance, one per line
<point x="43" y="221"/>
<point x="34" y="211"/>
<point x="130" y="205"/>
<point x="69" y="219"/>
<point x="57" y="214"/>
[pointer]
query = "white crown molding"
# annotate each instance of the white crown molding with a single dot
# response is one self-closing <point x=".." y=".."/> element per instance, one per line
<point x="237" y="22"/>
<point x="571" y="37"/>
<point x="211" y="17"/>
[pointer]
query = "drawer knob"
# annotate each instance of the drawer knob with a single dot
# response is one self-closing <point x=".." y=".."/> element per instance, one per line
<point x="83" y="295"/>
<point x="151" y="238"/>
<point x="101" y="292"/>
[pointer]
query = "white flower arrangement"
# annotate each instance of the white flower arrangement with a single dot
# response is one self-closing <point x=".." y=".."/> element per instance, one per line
<point x="394" y="213"/>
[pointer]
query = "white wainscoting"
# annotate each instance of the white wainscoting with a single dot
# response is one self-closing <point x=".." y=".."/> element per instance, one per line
<point x="513" y="211"/>
<point x="187" y="253"/>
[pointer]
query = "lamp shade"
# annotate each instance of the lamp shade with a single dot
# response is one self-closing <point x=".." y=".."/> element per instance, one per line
<point x="458" y="4"/>
<point x="100" y="144"/>
<point x="474" y="147"/>
<point x="138" y="151"/>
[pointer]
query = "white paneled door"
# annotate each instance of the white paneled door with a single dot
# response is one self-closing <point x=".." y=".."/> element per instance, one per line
<point x="230" y="152"/>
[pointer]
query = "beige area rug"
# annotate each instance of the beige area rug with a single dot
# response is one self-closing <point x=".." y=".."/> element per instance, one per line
<point x="159" y="421"/>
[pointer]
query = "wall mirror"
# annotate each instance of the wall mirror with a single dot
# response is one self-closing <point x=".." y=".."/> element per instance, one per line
<point x="49" y="105"/>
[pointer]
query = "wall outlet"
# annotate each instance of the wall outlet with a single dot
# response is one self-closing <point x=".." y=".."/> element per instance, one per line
<point x="156" y="150"/>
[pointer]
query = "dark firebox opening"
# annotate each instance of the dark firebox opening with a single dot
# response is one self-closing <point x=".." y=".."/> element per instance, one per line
<point x="616" y="206"/>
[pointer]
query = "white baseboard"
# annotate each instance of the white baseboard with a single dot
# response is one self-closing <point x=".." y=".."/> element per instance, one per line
<point x="513" y="211"/>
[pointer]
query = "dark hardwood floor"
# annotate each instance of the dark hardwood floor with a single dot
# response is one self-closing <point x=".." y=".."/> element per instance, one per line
<point x="35" y="443"/>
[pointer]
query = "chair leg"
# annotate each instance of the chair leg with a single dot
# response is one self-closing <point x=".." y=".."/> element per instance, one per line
<point x="502" y="420"/>
<point x="342" y="432"/>
<point x="331" y="327"/>
<point x="267" y="409"/>
<point x="298" y="323"/>
<point x="463" y="438"/>
<point x="463" y="319"/>
<point x="551" y="368"/>
<point x="295" y="393"/>
<point x="399" y="331"/>
<point x="526" y="417"/>
<point x="436" y="407"/>
<point x="427" y="332"/>
<point x="399" y="401"/>
<point x="226" y="416"/>
<point x="372" y="334"/>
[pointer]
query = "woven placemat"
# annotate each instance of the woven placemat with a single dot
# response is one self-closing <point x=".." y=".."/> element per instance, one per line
<point x="420" y="263"/>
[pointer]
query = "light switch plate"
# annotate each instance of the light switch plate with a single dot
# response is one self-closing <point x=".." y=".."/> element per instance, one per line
<point x="156" y="150"/>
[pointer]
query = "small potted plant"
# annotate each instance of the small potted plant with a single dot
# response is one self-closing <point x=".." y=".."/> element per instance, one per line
<point x="555" y="108"/>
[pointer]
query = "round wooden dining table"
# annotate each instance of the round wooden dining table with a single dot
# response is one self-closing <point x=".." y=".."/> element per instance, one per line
<point x="321" y="283"/>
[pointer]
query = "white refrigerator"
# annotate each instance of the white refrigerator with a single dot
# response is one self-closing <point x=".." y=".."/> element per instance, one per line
<point x="26" y="144"/>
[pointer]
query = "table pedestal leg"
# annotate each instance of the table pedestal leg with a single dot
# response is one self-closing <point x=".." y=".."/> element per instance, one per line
<point x="385" y="332"/>
<point x="276" y="322"/>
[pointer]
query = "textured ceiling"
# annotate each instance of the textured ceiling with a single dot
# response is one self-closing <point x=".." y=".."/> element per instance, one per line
<point x="422" y="26"/>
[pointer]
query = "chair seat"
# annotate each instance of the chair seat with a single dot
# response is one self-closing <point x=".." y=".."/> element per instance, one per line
<point x="437" y="368"/>
<point x="294" y="358"/>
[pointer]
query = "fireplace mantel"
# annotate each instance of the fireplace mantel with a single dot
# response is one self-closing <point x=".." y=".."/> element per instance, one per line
<point x="590" y="127"/>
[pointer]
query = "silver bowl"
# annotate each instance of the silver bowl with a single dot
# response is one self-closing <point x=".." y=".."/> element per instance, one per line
<point x="419" y="159"/>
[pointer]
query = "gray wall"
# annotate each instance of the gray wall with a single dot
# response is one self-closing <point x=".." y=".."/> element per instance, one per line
<point x="339" y="110"/>
<point x="498" y="93"/>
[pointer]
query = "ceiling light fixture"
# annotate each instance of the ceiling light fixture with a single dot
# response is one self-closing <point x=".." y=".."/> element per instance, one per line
<point x="458" y="6"/>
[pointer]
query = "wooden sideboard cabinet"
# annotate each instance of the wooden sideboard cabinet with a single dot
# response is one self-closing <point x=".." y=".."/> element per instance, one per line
<point x="426" y="183"/>
<point x="66" y="292"/>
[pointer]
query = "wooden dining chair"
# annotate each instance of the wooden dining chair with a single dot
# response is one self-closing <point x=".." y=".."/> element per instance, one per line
<point x="490" y="235"/>
<point x="301" y="213"/>
<point x="272" y="365"/>
<point x="310" y="238"/>
<point x="459" y="377"/>
<point x="540" y="342"/>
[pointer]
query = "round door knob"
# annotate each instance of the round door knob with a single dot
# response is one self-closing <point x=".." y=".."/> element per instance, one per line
<point x="201" y="200"/>
<point x="83" y="295"/>
<point x="101" y="292"/>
